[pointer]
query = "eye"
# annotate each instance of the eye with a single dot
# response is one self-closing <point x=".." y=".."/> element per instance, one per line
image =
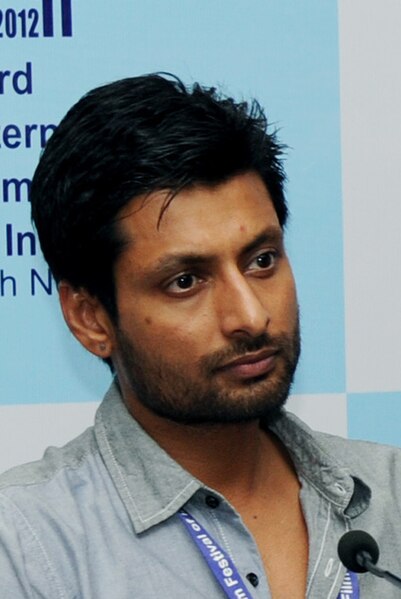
<point x="265" y="261"/>
<point x="184" y="283"/>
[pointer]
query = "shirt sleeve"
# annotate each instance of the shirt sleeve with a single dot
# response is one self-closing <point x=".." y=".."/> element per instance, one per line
<point x="26" y="571"/>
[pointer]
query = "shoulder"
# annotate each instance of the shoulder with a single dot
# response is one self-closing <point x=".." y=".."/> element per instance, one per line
<point x="374" y="463"/>
<point x="42" y="507"/>
<point x="55" y="460"/>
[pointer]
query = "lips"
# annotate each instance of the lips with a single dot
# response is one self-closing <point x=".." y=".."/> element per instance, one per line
<point x="251" y="365"/>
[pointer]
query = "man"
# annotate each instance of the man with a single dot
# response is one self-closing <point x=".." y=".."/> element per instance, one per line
<point x="160" y="210"/>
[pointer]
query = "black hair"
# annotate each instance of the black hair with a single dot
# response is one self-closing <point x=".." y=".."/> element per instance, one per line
<point x="130" y="138"/>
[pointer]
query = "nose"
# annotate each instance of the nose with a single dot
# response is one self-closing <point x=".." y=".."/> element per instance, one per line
<point x="241" y="311"/>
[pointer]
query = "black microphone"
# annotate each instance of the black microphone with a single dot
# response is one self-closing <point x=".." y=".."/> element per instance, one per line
<point x="359" y="552"/>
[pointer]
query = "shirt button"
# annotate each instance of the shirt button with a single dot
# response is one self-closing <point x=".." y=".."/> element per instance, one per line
<point x="212" y="501"/>
<point x="253" y="579"/>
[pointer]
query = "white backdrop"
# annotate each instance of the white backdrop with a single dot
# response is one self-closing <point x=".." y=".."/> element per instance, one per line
<point x="328" y="77"/>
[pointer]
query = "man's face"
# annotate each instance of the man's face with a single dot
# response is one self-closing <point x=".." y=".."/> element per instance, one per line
<point x="208" y="319"/>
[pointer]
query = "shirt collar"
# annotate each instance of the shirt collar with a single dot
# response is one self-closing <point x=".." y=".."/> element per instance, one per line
<point x="316" y="457"/>
<point x="151" y="484"/>
<point x="154" y="487"/>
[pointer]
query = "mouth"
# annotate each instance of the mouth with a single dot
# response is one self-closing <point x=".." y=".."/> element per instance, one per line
<point x="251" y="365"/>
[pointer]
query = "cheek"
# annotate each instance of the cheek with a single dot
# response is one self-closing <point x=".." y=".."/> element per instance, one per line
<point x="170" y="331"/>
<point x="156" y="331"/>
<point x="291" y="298"/>
<point x="182" y="343"/>
<point x="293" y="308"/>
<point x="287" y="306"/>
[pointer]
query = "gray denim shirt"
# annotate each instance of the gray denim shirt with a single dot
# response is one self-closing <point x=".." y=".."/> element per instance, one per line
<point x="97" y="519"/>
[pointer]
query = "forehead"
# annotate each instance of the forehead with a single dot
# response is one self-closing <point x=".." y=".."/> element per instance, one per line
<point x="200" y="219"/>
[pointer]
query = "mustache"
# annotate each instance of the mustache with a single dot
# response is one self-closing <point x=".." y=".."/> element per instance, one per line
<point x="209" y="364"/>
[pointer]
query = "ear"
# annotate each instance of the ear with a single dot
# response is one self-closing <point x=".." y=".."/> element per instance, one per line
<point x="87" y="319"/>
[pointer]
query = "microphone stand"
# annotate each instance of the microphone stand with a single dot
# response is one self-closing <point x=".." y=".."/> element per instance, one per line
<point x="364" y="559"/>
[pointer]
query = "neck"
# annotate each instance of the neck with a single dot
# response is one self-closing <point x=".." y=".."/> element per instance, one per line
<point x="229" y="458"/>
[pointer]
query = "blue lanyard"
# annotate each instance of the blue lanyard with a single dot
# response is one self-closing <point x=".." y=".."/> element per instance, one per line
<point x="216" y="558"/>
<point x="225" y="571"/>
<point x="350" y="586"/>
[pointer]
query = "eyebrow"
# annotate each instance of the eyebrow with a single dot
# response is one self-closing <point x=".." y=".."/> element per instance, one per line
<point x="268" y="235"/>
<point x="177" y="261"/>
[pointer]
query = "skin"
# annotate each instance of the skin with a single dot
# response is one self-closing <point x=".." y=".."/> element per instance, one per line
<point x="201" y="291"/>
<point x="193" y="295"/>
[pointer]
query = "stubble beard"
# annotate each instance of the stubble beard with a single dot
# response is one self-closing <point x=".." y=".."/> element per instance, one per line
<point x="165" y="389"/>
